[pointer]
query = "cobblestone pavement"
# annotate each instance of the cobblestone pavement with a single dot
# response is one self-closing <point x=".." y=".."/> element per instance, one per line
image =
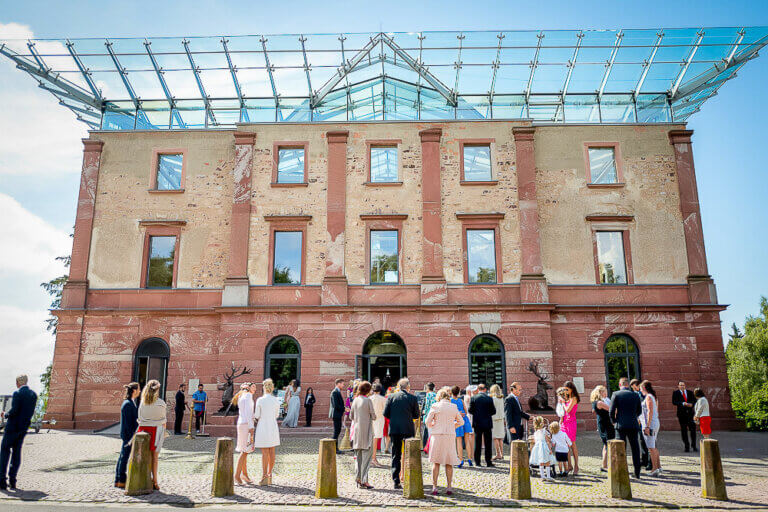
<point x="74" y="467"/>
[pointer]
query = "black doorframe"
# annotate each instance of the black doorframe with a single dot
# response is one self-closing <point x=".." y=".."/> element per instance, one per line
<point x="269" y="357"/>
<point x="501" y="355"/>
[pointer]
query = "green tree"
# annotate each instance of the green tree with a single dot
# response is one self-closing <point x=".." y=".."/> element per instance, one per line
<point x="283" y="276"/>
<point x="486" y="275"/>
<point x="747" y="359"/>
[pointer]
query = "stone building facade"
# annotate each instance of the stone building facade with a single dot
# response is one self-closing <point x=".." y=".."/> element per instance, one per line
<point x="547" y="301"/>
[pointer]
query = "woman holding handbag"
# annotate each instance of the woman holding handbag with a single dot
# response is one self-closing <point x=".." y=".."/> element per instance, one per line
<point x="245" y="429"/>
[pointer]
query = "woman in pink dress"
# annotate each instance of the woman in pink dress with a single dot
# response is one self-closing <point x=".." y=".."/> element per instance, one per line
<point x="442" y="420"/>
<point x="571" y="406"/>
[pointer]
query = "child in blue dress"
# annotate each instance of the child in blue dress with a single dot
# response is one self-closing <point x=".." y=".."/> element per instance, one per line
<point x="541" y="455"/>
<point x="464" y="432"/>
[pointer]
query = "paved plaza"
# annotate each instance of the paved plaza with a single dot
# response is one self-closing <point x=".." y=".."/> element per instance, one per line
<point x="74" y="467"/>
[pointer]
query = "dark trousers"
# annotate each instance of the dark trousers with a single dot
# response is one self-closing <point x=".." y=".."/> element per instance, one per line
<point x="483" y="436"/>
<point x="336" y="428"/>
<point x="10" y="449"/>
<point x="397" y="455"/>
<point x="122" y="463"/>
<point x="518" y="434"/>
<point x="644" y="449"/>
<point x="308" y="414"/>
<point x="687" y="426"/>
<point x="425" y="437"/>
<point x="177" y="422"/>
<point x="198" y="419"/>
<point x="630" y="434"/>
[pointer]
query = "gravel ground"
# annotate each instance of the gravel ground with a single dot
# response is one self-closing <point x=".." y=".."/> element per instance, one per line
<point x="78" y="467"/>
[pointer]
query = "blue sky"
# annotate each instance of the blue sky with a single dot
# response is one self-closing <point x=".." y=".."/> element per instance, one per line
<point x="40" y="153"/>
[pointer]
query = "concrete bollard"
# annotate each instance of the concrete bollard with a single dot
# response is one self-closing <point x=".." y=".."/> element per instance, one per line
<point x="345" y="443"/>
<point x="325" y="483"/>
<point x="223" y="483"/>
<point x="618" y="473"/>
<point x="413" y="483"/>
<point x="139" y="476"/>
<point x="417" y="427"/>
<point x="712" y="479"/>
<point x="519" y="471"/>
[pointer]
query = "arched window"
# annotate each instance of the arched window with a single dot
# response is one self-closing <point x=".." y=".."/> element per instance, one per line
<point x="622" y="359"/>
<point x="151" y="362"/>
<point x="486" y="361"/>
<point x="384" y="356"/>
<point x="282" y="362"/>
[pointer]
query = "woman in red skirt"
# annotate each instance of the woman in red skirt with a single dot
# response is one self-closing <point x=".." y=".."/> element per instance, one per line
<point x="701" y="413"/>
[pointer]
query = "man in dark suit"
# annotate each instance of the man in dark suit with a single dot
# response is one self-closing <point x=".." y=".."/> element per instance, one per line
<point x="625" y="408"/>
<point x="181" y="403"/>
<point x="482" y="410"/>
<point x="18" y="420"/>
<point x="337" y="410"/>
<point x="401" y="409"/>
<point x="514" y="412"/>
<point x="684" y="401"/>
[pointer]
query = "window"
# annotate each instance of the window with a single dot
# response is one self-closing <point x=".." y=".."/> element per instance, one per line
<point x="162" y="250"/>
<point x="384" y="166"/>
<point x="283" y="361"/>
<point x="290" y="165"/>
<point x="611" y="264"/>
<point x="384" y="257"/>
<point x="622" y="359"/>
<point x="477" y="162"/>
<point x="169" y="171"/>
<point x="151" y="362"/>
<point x="602" y="165"/>
<point x="288" y="255"/>
<point x="481" y="255"/>
<point x="486" y="361"/>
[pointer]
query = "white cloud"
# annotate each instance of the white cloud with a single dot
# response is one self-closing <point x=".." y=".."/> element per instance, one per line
<point x="26" y="346"/>
<point x="39" y="135"/>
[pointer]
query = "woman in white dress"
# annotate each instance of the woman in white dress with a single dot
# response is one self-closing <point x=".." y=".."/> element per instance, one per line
<point x="244" y="402"/>
<point x="379" y="403"/>
<point x="267" y="434"/>
<point x="293" y="405"/>
<point x="152" y="421"/>
<point x="498" y="422"/>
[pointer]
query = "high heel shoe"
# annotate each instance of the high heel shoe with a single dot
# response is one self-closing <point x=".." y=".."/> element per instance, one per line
<point x="238" y="481"/>
<point x="469" y="461"/>
<point x="269" y="480"/>
<point x="264" y="480"/>
<point x="247" y="480"/>
<point x="461" y="465"/>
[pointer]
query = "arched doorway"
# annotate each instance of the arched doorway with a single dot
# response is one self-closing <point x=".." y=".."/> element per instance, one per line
<point x="486" y="361"/>
<point x="384" y="356"/>
<point x="622" y="359"/>
<point x="151" y="362"/>
<point x="282" y="361"/>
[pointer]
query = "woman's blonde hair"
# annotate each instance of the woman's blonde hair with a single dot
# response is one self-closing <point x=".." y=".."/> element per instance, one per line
<point x="554" y="427"/>
<point x="443" y="394"/>
<point x="496" y="391"/>
<point x="538" y="422"/>
<point x="269" y="386"/>
<point x="151" y="392"/>
<point x="243" y="390"/>
<point x="597" y="393"/>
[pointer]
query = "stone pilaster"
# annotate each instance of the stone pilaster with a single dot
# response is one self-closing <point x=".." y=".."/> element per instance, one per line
<point x="334" y="289"/>
<point x="433" y="286"/>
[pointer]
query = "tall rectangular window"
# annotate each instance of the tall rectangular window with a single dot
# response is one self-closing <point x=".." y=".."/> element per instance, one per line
<point x="169" y="171"/>
<point x="384" y="257"/>
<point x="290" y="165"/>
<point x="384" y="164"/>
<point x="481" y="255"/>
<point x="287" y="260"/>
<point x="160" y="264"/>
<point x="477" y="162"/>
<point x="602" y="166"/>
<point x="611" y="264"/>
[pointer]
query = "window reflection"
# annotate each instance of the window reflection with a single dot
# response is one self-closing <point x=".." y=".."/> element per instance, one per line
<point x="602" y="165"/>
<point x="610" y="257"/>
<point x="287" y="261"/>
<point x="290" y="165"/>
<point x="383" y="164"/>
<point x="481" y="255"/>
<point x="169" y="172"/>
<point x="160" y="265"/>
<point x="384" y="260"/>
<point x="477" y="163"/>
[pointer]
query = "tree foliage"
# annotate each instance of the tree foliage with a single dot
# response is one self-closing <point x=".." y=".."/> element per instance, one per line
<point x="747" y="359"/>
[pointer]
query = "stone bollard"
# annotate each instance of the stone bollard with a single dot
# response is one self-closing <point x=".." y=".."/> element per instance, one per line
<point x="519" y="471"/>
<point x="139" y="477"/>
<point x="325" y="483"/>
<point x="413" y="483"/>
<point x="223" y="483"/>
<point x="618" y="473"/>
<point x="345" y="443"/>
<point x="712" y="479"/>
<point x="417" y="427"/>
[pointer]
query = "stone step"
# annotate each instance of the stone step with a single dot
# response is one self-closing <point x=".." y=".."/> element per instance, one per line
<point x="314" y="431"/>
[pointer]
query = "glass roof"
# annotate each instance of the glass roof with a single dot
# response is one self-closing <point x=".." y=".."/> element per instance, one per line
<point x="565" y="76"/>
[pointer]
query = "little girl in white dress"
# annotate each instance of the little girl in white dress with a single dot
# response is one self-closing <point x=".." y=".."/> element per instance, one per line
<point x="541" y="455"/>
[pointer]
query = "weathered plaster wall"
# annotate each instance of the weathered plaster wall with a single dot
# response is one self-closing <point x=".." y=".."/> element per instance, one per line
<point x="122" y="200"/>
<point x="650" y="194"/>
